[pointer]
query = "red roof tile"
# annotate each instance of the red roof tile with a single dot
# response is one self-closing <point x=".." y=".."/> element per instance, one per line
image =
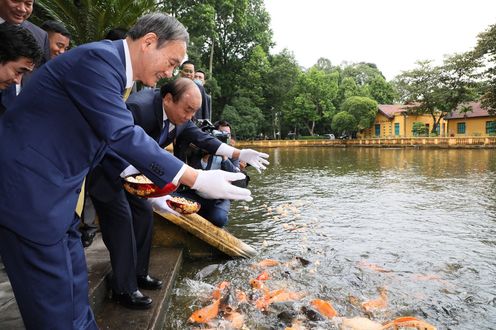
<point x="477" y="111"/>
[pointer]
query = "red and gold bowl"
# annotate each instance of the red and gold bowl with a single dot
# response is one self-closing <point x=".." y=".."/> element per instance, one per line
<point x="183" y="205"/>
<point x="140" y="185"/>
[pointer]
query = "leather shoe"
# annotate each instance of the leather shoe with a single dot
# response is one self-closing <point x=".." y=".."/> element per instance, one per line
<point x="135" y="300"/>
<point x="149" y="283"/>
<point x="87" y="238"/>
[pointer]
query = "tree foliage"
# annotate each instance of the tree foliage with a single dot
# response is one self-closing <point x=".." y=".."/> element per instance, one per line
<point x="486" y="51"/>
<point x="344" y="123"/>
<point x="363" y="109"/>
<point x="439" y="90"/>
<point x="91" y="20"/>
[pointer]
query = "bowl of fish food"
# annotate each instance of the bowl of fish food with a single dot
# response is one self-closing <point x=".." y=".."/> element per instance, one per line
<point x="183" y="205"/>
<point x="139" y="185"/>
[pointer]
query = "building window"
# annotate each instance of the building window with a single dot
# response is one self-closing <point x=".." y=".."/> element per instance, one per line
<point x="491" y="127"/>
<point x="377" y="130"/>
<point x="396" y="129"/>
<point x="460" y="128"/>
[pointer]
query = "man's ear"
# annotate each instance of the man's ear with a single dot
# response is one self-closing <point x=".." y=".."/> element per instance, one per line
<point x="149" y="40"/>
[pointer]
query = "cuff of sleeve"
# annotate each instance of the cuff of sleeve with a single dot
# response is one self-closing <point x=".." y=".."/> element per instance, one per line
<point x="179" y="174"/>
<point x="225" y="150"/>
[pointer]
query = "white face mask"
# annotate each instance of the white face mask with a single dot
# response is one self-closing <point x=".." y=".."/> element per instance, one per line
<point x="198" y="82"/>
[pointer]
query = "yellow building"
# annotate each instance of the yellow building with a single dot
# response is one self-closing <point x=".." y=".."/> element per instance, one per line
<point x="392" y="120"/>
<point x="477" y="122"/>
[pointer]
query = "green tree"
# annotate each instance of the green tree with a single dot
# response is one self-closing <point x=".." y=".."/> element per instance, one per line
<point x="486" y="50"/>
<point x="368" y="81"/>
<point x="344" y="123"/>
<point x="312" y="98"/>
<point x="91" y="20"/>
<point x="244" y="117"/>
<point x="363" y="109"/>
<point x="439" y="90"/>
<point x="278" y="80"/>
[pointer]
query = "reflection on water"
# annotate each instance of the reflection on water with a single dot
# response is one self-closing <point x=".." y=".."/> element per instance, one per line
<point x="419" y="224"/>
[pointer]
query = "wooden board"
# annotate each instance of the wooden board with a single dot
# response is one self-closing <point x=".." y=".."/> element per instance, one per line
<point x="214" y="236"/>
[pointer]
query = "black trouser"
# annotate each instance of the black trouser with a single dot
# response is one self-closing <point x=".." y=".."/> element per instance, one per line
<point x="126" y="223"/>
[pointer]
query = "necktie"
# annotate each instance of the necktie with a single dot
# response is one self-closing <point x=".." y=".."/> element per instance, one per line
<point x="166" y="137"/>
<point x="80" y="202"/>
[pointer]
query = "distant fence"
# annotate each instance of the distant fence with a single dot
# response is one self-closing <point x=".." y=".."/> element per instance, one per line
<point x="427" y="142"/>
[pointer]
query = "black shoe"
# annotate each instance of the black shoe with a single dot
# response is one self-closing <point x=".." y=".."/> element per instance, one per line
<point x="87" y="238"/>
<point x="135" y="300"/>
<point x="149" y="283"/>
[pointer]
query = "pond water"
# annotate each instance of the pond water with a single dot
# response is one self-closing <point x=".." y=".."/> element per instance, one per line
<point x="417" y="225"/>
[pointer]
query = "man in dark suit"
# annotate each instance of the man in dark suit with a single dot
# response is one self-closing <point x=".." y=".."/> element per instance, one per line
<point x="18" y="54"/>
<point x="16" y="13"/>
<point x="126" y="221"/>
<point x="61" y="125"/>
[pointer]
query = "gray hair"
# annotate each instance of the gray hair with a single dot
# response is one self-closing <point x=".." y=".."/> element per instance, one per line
<point x="167" y="28"/>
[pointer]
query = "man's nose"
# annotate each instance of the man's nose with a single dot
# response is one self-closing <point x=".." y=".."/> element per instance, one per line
<point x="18" y="78"/>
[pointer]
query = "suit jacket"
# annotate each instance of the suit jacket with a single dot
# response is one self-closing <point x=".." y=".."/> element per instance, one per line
<point x="41" y="38"/>
<point x="205" y="111"/>
<point x="61" y="125"/>
<point x="146" y="109"/>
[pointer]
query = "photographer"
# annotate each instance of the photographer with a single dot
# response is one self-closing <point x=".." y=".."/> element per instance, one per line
<point x="214" y="210"/>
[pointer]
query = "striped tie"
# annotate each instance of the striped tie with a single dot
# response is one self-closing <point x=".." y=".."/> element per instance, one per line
<point x="80" y="202"/>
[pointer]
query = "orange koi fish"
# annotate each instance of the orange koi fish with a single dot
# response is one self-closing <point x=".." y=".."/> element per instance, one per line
<point x="286" y="296"/>
<point x="374" y="267"/>
<point x="205" y="314"/>
<point x="378" y="303"/>
<point x="237" y="319"/>
<point x="268" y="263"/>
<point x="264" y="276"/>
<point x="217" y="293"/>
<point x="324" y="307"/>
<point x="408" y="322"/>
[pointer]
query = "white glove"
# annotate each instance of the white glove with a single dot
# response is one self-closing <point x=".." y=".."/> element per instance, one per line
<point x="130" y="170"/>
<point x="254" y="158"/>
<point x="159" y="204"/>
<point x="216" y="184"/>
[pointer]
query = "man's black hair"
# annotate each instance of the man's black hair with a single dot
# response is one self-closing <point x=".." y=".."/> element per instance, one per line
<point x="116" y="34"/>
<point x="220" y="123"/>
<point x="18" y="42"/>
<point x="57" y="27"/>
<point x="187" y="62"/>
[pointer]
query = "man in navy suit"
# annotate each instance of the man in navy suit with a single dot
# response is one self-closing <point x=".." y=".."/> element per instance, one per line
<point x="126" y="221"/>
<point x="16" y="12"/>
<point x="62" y="124"/>
<point x="18" y="55"/>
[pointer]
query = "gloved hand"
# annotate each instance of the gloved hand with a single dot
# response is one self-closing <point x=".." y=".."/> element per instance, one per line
<point x="254" y="158"/>
<point x="130" y="170"/>
<point x="216" y="184"/>
<point x="159" y="204"/>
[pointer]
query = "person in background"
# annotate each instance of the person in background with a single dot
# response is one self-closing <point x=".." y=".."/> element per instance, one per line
<point x="215" y="210"/>
<point x="58" y="36"/>
<point x="16" y="12"/>
<point x="188" y="71"/>
<point x="126" y="221"/>
<point x="19" y="53"/>
<point x="49" y="141"/>
<point x="200" y="79"/>
<point x="116" y="33"/>
<point x="89" y="226"/>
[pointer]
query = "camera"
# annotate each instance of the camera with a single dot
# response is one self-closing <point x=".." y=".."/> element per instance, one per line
<point x="206" y="126"/>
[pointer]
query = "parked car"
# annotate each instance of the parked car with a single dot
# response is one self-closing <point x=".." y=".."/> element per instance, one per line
<point x="329" y="136"/>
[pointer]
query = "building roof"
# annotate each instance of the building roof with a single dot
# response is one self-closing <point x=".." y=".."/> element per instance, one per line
<point x="477" y="111"/>
<point x="389" y="110"/>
